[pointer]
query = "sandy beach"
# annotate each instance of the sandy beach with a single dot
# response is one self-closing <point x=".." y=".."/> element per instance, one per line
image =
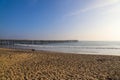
<point x="44" y="65"/>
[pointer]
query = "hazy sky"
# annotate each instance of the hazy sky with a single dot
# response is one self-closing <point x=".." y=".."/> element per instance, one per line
<point x="60" y="19"/>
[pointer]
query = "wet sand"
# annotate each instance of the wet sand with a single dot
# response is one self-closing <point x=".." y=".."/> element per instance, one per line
<point x="44" y="65"/>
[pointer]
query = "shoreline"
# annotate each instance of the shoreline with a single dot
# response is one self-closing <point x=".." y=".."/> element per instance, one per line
<point x="64" y="52"/>
<point x="48" y="65"/>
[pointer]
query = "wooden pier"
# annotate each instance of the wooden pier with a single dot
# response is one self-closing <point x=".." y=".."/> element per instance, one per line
<point x="12" y="42"/>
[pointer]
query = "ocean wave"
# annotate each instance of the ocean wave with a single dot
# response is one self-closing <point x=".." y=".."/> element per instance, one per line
<point x="64" y="46"/>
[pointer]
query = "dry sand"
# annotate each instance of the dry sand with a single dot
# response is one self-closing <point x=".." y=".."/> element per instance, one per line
<point x="42" y="65"/>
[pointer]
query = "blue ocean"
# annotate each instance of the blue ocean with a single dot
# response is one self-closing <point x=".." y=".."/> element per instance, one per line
<point x="80" y="47"/>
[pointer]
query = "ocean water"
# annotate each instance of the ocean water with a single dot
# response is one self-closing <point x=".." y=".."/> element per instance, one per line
<point x="81" y="47"/>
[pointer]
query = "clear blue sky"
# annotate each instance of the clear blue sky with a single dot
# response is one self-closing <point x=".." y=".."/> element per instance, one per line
<point x="60" y="19"/>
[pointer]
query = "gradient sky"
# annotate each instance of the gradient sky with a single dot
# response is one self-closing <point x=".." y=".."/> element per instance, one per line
<point x="60" y="19"/>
